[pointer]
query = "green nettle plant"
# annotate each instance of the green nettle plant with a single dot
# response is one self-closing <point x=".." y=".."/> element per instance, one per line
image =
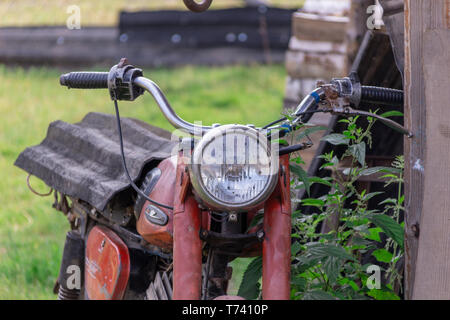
<point x="343" y="250"/>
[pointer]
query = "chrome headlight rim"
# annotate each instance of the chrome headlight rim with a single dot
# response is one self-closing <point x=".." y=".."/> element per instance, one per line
<point x="197" y="182"/>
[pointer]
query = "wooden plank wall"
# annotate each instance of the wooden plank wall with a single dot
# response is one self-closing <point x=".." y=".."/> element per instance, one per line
<point x="427" y="172"/>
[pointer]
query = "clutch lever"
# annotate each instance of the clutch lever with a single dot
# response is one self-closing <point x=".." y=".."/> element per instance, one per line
<point x="348" y="111"/>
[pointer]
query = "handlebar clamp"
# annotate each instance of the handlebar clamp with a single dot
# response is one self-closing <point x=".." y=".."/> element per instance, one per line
<point x="120" y="81"/>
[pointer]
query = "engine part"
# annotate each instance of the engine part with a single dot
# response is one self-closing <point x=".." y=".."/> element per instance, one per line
<point x="155" y="224"/>
<point x="71" y="272"/>
<point x="147" y="187"/>
<point x="161" y="287"/>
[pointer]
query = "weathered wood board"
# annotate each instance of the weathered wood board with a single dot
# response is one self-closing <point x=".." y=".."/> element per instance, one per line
<point x="315" y="65"/>
<point x="318" y="46"/>
<point x="308" y="26"/>
<point x="432" y="274"/>
<point x="296" y="89"/>
<point x="427" y="174"/>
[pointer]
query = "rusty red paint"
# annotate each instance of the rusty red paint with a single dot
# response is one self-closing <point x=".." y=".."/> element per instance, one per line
<point x="161" y="236"/>
<point x="107" y="265"/>
<point x="187" y="252"/>
<point x="277" y="241"/>
<point x="181" y="184"/>
<point x="187" y="248"/>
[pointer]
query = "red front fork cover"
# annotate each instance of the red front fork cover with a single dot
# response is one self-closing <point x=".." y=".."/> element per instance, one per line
<point x="107" y="265"/>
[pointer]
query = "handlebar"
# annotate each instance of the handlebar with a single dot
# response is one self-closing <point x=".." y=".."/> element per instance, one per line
<point x="126" y="82"/>
<point x="351" y="89"/>
<point x="379" y="95"/>
<point x="99" y="80"/>
<point x="167" y="110"/>
<point x="309" y="103"/>
<point x="85" y="80"/>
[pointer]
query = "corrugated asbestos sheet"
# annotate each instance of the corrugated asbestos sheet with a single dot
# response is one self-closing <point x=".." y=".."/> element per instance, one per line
<point x="83" y="160"/>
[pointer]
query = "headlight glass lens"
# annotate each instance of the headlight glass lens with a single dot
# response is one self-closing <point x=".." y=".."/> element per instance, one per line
<point x="234" y="167"/>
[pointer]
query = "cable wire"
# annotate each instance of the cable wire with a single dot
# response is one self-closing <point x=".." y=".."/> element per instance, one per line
<point x="124" y="164"/>
<point x="274" y="122"/>
<point x="300" y="114"/>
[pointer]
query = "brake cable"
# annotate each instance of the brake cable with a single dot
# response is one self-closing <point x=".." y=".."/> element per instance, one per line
<point x="124" y="164"/>
<point x="300" y="114"/>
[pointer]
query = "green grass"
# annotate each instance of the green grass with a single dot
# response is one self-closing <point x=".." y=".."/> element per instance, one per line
<point x="31" y="232"/>
<point x="99" y="12"/>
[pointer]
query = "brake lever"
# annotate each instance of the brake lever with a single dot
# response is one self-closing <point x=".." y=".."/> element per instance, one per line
<point x="348" y="111"/>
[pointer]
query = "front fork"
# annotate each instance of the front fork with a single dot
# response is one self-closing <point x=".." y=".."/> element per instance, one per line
<point x="187" y="249"/>
<point x="276" y="274"/>
<point x="187" y="245"/>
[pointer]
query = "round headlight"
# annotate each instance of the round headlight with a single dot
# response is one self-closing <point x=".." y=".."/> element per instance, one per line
<point x="232" y="169"/>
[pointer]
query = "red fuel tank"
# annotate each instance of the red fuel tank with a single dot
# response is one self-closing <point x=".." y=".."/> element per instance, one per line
<point x="107" y="265"/>
<point x="155" y="224"/>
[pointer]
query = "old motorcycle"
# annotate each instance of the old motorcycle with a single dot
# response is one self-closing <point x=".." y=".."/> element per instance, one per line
<point x="157" y="218"/>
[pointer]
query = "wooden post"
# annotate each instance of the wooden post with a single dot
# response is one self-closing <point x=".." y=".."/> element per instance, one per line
<point x="427" y="172"/>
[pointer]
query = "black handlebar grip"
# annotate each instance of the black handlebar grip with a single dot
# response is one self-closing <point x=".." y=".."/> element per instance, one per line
<point x="381" y="95"/>
<point x="85" y="80"/>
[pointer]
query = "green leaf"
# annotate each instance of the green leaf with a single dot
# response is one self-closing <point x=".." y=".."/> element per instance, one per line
<point x="351" y="283"/>
<point x="389" y="226"/>
<point x="304" y="263"/>
<point x="281" y="141"/>
<point x="332" y="266"/>
<point x="326" y="165"/>
<point x="382" y="255"/>
<point x="321" y="181"/>
<point x="310" y="131"/>
<point x="313" y="202"/>
<point x="394" y="171"/>
<point x="359" y="152"/>
<point x="318" y="295"/>
<point x="335" y="139"/>
<point x="373" y="170"/>
<point x="302" y="175"/>
<point x="324" y="250"/>
<point x="369" y="196"/>
<point x="295" y="248"/>
<point x="374" y="234"/>
<point x="393" y="113"/>
<point x="249" y="288"/>
<point x="360" y="242"/>
<point x="299" y="282"/>
<point x="379" y="294"/>
<point x="389" y="201"/>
